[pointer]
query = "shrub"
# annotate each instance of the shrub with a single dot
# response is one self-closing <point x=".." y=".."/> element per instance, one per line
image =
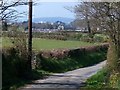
<point x="64" y="60"/>
<point x="85" y="38"/>
<point x="65" y="35"/>
<point x="100" y="38"/>
<point x="13" y="66"/>
<point x="15" y="69"/>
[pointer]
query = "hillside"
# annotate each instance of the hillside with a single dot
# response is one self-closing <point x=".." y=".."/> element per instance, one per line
<point x="52" y="19"/>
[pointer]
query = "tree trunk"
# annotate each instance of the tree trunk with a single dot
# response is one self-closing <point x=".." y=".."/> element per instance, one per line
<point x="4" y="26"/>
<point x="113" y="58"/>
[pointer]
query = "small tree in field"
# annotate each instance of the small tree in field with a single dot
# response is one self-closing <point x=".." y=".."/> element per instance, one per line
<point x="85" y="19"/>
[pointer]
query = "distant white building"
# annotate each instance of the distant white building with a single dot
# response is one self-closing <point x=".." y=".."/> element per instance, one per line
<point x="60" y="27"/>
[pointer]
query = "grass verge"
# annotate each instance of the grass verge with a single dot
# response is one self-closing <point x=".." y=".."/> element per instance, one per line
<point x="100" y="81"/>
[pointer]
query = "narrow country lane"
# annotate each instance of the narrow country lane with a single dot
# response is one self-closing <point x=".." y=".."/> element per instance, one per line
<point x="71" y="80"/>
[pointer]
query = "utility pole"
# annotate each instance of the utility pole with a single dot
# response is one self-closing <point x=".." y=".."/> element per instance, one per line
<point x="30" y="35"/>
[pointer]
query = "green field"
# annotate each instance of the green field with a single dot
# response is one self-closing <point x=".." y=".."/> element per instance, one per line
<point x="47" y="44"/>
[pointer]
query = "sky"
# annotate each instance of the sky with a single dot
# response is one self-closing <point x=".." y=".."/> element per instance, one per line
<point x="49" y="9"/>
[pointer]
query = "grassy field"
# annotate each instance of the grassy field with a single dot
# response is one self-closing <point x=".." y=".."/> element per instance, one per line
<point x="47" y="44"/>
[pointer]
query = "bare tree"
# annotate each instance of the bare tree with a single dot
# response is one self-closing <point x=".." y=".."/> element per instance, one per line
<point x="83" y="13"/>
<point x="109" y="15"/>
<point x="8" y="11"/>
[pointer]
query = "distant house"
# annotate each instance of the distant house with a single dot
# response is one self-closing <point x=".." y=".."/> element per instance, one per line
<point x="60" y="27"/>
